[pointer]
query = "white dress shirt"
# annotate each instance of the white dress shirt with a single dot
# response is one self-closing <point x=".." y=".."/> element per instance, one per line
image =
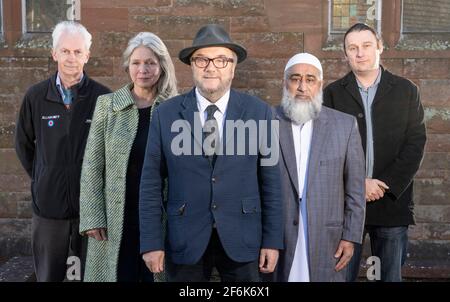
<point x="222" y="104"/>
<point x="302" y="141"/>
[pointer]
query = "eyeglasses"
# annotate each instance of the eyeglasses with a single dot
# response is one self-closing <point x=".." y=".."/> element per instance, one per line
<point x="219" y="62"/>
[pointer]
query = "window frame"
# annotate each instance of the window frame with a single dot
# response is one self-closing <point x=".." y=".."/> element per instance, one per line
<point x="391" y="24"/>
<point x="378" y="17"/>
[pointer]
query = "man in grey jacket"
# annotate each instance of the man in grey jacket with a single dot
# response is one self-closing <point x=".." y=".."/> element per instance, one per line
<point x="322" y="174"/>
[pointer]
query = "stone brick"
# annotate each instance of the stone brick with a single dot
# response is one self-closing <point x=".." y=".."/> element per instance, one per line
<point x="436" y="161"/>
<point x="393" y="65"/>
<point x="295" y="16"/>
<point x="109" y="44"/>
<point x="24" y="209"/>
<point x="438" y="142"/>
<point x="113" y="83"/>
<point x="9" y="163"/>
<point x="35" y="46"/>
<point x="267" y="45"/>
<point x="437" y="120"/>
<point x="7" y="131"/>
<point x="184" y="74"/>
<point x="432" y="191"/>
<point x="435" y="92"/>
<point x="218" y="8"/>
<point x="138" y="23"/>
<point x="8" y="209"/>
<point x="27" y="76"/>
<point x="433" y="231"/>
<point x="249" y="24"/>
<point x="13" y="62"/>
<point x="334" y="69"/>
<point x="100" y="67"/>
<point x="15" y="227"/>
<point x="429" y="214"/>
<point x="174" y="47"/>
<point x="15" y="205"/>
<point x="14" y="183"/>
<point x="9" y="108"/>
<point x="105" y="19"/>
<point x="14" y="196"/>
<point x="433" y="68"/>
<point x="437" y="250"/>
<point x="120" y="3"/>
<point x="271" y="93"/>
<point x="441" y="174"/>
<point x="185" y="27"/>
<point x="12" y="246"/>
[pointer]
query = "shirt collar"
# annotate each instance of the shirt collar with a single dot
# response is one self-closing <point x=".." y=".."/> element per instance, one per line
<point x="222" y="103"/>
<point x="375" y="84"/>
<point x="60" y="85"/>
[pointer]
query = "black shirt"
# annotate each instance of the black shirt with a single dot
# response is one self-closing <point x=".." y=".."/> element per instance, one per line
<point x="135" y="163"/>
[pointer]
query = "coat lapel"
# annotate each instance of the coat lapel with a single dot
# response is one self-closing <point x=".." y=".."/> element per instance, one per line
<point x="350" y="84"/>
<point x="287" y="147"/>
<point x="386" y="83"/>
<point x="191" y="115"/>
<point x="319" y="137"/>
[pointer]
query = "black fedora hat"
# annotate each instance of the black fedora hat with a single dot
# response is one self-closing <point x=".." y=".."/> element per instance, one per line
<point x="209" y="36"/>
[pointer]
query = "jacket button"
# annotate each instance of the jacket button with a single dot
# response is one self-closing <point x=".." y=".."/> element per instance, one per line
<point x="214" y="206"/>
<point x="295" y="222"/>
<point x="360" y="115"/>
<point x="213" y="179"/>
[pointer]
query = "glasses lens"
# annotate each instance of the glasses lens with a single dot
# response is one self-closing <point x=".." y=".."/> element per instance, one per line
<point x="201" y="62"/>
<point x="220" y="62"/>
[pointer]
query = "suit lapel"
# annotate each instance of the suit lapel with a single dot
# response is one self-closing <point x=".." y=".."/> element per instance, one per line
<point x="191" y="115"/>
<point x="287" y="147"/>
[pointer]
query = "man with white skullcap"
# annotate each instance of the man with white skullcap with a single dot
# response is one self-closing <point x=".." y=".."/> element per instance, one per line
<point x="322" y="175"/>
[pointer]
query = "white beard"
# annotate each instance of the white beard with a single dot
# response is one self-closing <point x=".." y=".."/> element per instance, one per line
<point x="299" y="111"/>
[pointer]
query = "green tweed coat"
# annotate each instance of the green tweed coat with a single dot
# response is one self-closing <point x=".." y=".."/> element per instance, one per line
<point x="103" y="179"/>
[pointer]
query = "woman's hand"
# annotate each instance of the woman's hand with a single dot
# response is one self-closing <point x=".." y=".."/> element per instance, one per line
<point x="98" y="234"/>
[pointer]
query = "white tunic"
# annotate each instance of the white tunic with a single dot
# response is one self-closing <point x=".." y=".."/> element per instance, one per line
<point x="302" y="140"/>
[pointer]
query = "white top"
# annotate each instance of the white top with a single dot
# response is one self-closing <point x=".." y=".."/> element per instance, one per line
<point x="302" y="141"/>
<point x="222" y="104"/>
<point x="302" y="151"/>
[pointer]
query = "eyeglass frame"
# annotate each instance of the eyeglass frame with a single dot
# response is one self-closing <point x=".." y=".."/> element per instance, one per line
<point x="226" y="59"/>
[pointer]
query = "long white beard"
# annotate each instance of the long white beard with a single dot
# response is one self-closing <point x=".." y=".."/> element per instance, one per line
<point x="300" y="111"/>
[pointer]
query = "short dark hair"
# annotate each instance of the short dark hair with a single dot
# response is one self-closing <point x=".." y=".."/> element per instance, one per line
<point x="360" y="27"/>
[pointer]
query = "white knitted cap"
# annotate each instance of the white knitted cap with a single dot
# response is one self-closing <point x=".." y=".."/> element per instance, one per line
<point x="305" y="58"/>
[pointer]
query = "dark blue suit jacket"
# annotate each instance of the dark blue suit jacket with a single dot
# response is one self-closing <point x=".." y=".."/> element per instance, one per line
<point x="241" y="196"/>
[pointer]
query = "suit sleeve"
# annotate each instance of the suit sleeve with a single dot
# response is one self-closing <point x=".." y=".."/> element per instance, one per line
<point x="354" y="185"/>
<point x="151" y="190"/>
<point x="25" y="136"/>
<point x="92" y="196"/>
<point x="270" y="187"/>
<point x="399" y="175"/>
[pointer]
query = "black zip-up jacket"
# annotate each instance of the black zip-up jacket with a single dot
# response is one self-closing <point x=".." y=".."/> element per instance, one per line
<point x="50" y="142"/>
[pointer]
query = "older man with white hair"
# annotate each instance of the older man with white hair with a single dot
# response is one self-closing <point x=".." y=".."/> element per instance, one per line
<point x="322" y="174"/>
<point x="51" y="134"/>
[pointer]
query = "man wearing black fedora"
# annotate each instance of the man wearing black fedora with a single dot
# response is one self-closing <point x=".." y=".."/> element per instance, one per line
<point x="223" y="207"/>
